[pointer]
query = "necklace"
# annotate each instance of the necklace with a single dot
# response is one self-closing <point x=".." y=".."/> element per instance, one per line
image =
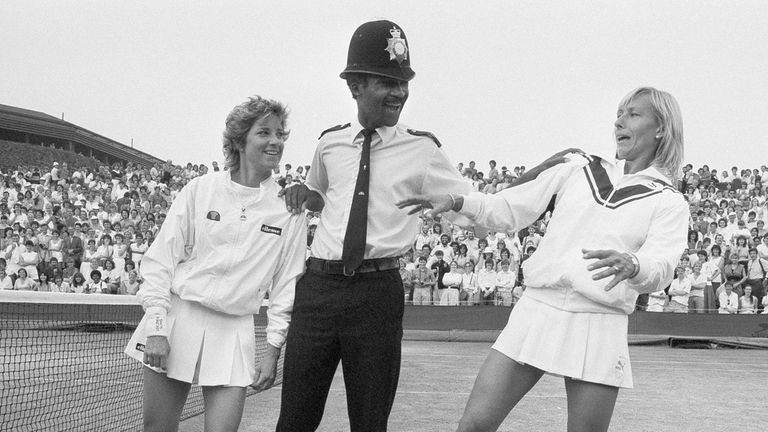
<point x="245" y="195"/>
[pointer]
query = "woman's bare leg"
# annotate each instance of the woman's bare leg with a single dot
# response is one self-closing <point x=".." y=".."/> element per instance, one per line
<point x="499" y="386"/>
<point x="590" y="405"/>
<point x="163" y="401"/>
<point x="223" y="408"/>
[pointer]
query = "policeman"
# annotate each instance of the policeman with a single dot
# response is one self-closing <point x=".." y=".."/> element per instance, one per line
<point x="349" y="303"/>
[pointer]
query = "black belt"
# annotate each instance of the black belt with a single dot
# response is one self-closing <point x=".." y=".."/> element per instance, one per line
<point x="367" y="266"/>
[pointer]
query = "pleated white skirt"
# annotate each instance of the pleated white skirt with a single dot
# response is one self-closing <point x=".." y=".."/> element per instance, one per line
<point x="208" y="348"/>
<point x="585" y="346"/>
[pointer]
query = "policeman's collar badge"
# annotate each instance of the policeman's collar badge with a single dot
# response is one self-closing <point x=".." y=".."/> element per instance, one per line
<point x="396" y="46"/>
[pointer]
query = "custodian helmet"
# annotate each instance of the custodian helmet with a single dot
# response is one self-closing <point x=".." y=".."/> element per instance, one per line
<point x="380" y="48"/>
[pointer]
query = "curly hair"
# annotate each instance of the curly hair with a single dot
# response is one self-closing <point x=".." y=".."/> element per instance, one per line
<point x="239" y="122"/>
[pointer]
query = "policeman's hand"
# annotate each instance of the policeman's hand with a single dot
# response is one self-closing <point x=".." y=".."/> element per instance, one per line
<point x="299" y="198"/>
<point x="156" y="351"/>
<point x="553" y="160"/>
<point x="266" y="370"/>
<point x="616" y="264"/>
<point x="435" y="203"/>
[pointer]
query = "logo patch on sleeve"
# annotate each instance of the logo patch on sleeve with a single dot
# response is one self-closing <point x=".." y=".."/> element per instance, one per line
<point x="271" y="230"/>
<point x="140" y="347"/>
<point x="213" y="215"/>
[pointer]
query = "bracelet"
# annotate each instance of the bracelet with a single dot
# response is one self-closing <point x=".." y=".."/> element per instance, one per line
<point x="635" y="263"/>
<point x="453" y="201"/>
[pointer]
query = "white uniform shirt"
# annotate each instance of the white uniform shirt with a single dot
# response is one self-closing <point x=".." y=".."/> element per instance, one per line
<point x="597" y="206"/>
<point x="206" y="254"/>
<point x="728" y="303"/>
<point x="402" y="165"/>
<point x="680" y="290"/>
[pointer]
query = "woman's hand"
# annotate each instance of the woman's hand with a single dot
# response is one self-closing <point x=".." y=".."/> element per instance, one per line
<point x="156" y="351"/>
<point x="436" y="203"/>
<point x="266" y="370"/>
<point x="619" y="265"/>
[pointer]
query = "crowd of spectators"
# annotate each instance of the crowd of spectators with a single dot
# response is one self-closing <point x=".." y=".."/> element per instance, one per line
<point x="85" y="230"/>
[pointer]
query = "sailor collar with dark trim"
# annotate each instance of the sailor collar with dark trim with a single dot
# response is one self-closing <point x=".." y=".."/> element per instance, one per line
<point x="606" y="194"/>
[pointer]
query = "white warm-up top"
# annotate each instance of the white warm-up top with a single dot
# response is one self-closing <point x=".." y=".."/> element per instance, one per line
<point x="596" y="206"/>
<point x="225" y="246"/>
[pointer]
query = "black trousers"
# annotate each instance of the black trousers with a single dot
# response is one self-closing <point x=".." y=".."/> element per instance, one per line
<point x="758" y="290"/>
<point x="358" y="320"/>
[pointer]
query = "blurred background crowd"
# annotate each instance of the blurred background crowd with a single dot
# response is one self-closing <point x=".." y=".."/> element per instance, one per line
<point x="84" y="229"/>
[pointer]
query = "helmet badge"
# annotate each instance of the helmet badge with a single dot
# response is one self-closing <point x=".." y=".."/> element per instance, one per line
<point x="396" y="46"/>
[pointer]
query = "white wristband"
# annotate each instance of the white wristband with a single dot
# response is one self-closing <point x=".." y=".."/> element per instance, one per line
<point x="156" y="322"/>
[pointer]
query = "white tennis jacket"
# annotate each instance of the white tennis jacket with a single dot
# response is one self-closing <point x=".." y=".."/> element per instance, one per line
<point x="211" y="251"/>
<point x="596" y="206"/>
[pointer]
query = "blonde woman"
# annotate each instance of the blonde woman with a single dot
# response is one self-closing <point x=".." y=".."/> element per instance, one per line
<point x="619" y="230"/>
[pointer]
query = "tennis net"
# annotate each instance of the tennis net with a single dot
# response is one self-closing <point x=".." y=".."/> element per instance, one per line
<point x="62" y="366"/>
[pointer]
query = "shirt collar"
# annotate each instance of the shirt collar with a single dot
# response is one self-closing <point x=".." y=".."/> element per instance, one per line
<point x="386" y="133"/>
<point x="619" y="164"/>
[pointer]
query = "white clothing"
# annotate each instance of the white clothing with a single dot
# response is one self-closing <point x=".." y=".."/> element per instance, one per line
<point x="680" y="290"/>
<point x="729" y="304"/>
<point x="656" y="301"/>
<point x="762" y="251"/>
<point x="701" y="281"/>
<point x="599" y="207"/>
<point x="333" y="175"/>
<point x="585" y="346"/>
<point x="6" y="283"/>
<point x="212" y="349"/>
<point x="207" y="253"/>
<point x="452" y="280"/>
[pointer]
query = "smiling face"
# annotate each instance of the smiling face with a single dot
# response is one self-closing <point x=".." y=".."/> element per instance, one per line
<point x="636" y="128"/>
<point x="264" y="145"/>
<point x="380" y="100"/>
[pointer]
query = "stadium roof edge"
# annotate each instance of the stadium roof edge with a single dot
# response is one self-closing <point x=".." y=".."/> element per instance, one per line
<point x="30" y="121"/>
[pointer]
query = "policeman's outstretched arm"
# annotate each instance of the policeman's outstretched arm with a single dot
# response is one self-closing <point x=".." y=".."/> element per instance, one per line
<point x="434" y="204"/>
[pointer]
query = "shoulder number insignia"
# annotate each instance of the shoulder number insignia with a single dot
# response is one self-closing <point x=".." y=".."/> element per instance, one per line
<point x="424" y="134"/>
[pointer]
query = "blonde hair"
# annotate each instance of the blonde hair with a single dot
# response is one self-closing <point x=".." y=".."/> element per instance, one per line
<point x="669" y="153"/>
<point x="239" y="122"/>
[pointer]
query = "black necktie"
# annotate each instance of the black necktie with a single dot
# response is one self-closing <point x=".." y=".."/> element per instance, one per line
<point x="357" y="227"/>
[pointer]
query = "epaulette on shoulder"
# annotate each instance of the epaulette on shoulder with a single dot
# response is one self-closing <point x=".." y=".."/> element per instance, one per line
<point x="334" y="129"/>
<point x="424" y="134"/>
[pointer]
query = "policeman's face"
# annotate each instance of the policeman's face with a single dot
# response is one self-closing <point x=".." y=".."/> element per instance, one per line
<point x="380" y="101"/>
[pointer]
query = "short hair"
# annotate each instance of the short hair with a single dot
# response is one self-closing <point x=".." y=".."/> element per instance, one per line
<point x="240" y="120"/>
<point x="669" y="154"/>
<point x="95" y="273"/>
